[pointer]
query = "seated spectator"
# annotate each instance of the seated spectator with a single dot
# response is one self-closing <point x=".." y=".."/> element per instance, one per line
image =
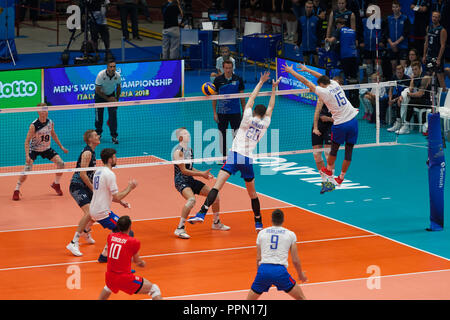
<point x="368" y="101"/>
<point x="345" y="39"/>
<point x="418" y="94"/>
<point x="395" y="101"/>
<point x="396" y="29"/>
<point x="225" y="55"/>
<point x="307" y="35"/>
<point x="369" y="44"/>
<point x="412" y="56"/>
<point x="341" y="13"/>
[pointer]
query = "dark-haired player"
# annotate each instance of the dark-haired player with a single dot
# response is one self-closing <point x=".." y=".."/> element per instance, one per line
<point x="38" y="143"/>
<point x="105" y="192"/>
<point x="124" y="249"/>
<point x="345" y="124"/>
<point x="273" y="246"/>
<point x="253" y="126"/>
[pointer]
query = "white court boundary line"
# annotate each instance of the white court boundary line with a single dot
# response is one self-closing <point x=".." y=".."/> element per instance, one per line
<point x="182" y="253"/>
<point x="311" y="284"/>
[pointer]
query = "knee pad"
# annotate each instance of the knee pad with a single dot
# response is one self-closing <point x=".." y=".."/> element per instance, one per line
<point x="348" y="151"/>
<point x="28" y="167"/>
<point x="334" y="148"/>
<point x="190" y="203"/>
<point x="317" y="156"/>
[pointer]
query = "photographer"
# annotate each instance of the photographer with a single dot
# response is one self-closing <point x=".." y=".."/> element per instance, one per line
<point x="98" y="23"/>
<point x="434" y="48"/>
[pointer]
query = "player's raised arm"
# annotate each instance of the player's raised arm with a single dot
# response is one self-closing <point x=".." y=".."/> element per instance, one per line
<point x="272" y="97"/>
<point x="319" y="106"/>
<point x="289" y="69"/>
<point x="251" y="100"/>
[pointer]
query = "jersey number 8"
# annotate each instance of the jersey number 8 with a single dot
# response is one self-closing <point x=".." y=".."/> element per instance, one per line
<point x="96" y="182"/>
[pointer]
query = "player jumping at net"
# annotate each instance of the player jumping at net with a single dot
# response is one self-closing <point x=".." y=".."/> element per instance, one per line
<point x="38" y="143"/>
<point x="123" y="250"/>
<point x="273" y="246"/>
<point x="81" y="190"/>
<point x="345" y="124"/>
<point x="185" y="183"/>
<point x="105" y="192"/>
<point x="253" y="126"/>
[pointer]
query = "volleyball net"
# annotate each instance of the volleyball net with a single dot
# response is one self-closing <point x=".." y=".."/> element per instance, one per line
<point x="147" y="129"/>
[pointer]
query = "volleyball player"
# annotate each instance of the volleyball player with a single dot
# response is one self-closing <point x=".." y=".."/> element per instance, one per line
<point x="123" y="250"/>
<point x="38" y="143"/>
<point x="253" y="126"/>
<point x="81" y="190"/>
<point x="105" y="191"/>
<point x="273" y="246"/>
<point x="185" y="183"/>
<point x="345" y="124"/>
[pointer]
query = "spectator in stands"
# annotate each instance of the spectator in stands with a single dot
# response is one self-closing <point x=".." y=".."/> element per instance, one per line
<point x="434" y="47"/>
<point x="308" y="28"/>
<point x="412" y="56"/>
<point x="372" y="42"/>
<point x="345" y="39"/>
<point x="171" y="29"/>
<point x="252" y="9"/>
<point x="297" y="8"/>
<point x="421" y="21"/>
<point x="34" y="13"/>
<point x="320" y="10"/>
<point x="396" y="29"/>
<point x="341" y="13"/>
<point x="277" y="9"/>
<point x="145" y="10"/>
<point x="99" y="25"/>
<point x="369" y="102"/>
<point x="230" y="6"/>
<point x="289" y="19"/>
<point x="418" y="94"/>
<point x="228" y="111"/>
<point x="225" y="55"/>
<point x="129" y="8"/>
<point x="266" y="8"/>
<point x="395" y="101"/>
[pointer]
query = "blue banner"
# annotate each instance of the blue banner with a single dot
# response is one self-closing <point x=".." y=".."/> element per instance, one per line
<point x="289" y="82"/>
<point x="436" y="172"/>
<point x="140" y="81"/>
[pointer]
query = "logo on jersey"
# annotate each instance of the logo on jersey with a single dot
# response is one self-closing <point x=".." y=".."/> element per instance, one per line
<point x="18" y="89"/>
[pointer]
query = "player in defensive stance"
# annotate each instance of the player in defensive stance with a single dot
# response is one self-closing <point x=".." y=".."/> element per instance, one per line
<point x="38" y="143"/>
<point x="105" y="192"/>
<point x="185" y="183"/>
<point x="81" y="190"/>
<point x="273" y="246"/>
<point x="253" y="126"/>
<point x="345" y="124"/>
<point x="123" y="249"/>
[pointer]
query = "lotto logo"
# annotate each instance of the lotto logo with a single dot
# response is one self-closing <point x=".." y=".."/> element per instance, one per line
<point x="18" y="89"/>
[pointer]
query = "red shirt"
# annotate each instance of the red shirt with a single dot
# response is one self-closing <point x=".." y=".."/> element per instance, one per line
<point x="121" y="249"/>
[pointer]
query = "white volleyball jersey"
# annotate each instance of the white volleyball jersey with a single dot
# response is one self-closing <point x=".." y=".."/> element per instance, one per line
<point x="250" y="132"/>
<point x="275" y="243"/>
<point x="105" y="185"/>
<point x="334" y="98"/>
<point x="108" y="84"/>
<point x="42" y="138"/>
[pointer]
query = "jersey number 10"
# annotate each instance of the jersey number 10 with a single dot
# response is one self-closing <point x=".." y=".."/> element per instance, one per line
<point x="114" y="251"/>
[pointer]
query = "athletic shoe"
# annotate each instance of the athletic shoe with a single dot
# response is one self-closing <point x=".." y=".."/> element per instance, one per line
<point x="57" y="188"/>
<point x="181" y="233"/>
<point x="74" y="248"/>
<point x="115" y="141"/>
<point x="88" y="238"/>
<point x="338" y="181"/>
<point x="199" y="218"/>
<point x="16" y="195"/>
<point x="403" y="130"/>
<point x="220" y="226"/>
<point x="258" y="226"/>
<point x="102" y="258"/>
<point x="327" y="187"/>
<point x="395" y="127"/>
<point x="326" y="172"/>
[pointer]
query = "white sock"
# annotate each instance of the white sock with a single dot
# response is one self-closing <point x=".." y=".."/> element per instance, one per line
<point x="76" y="237"/>
<point x="58" y="179"/>
<point x="18" y="185"/>
<point x="181" y="223"/>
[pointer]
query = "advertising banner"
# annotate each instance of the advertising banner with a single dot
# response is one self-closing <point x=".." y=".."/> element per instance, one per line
<point x="140" y="81"/>
<point x="20" y="89"/>
<point x="288" y="82"/>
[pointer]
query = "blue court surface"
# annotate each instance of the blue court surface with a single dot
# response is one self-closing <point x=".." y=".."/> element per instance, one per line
<point x="386" y="187"/>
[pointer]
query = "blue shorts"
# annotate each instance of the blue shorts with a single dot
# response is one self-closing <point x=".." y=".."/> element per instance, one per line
<point x="237" y="162"/>
<point x="109" y="222"/>
<point x="345" y="132"/>
<point x="272" y="274"/>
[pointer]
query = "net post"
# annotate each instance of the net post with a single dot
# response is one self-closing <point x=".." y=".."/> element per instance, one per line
<point x="377" y="112"/>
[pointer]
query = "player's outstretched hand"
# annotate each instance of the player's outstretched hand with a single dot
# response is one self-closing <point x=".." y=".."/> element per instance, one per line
<point x="302" y="277"/>
<point x="302" y="67"/>
<point x="264" y="77"/>
<point x="275" y="83"/>
<point x="317" y="132"/>
<point x="287" y="68"/>
<point x="125" y="204"/>
<point x="207" y="175"/>
<point x="65" y="150"/>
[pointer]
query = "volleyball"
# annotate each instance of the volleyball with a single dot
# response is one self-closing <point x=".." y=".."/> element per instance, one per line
<point x="208" y="89"/>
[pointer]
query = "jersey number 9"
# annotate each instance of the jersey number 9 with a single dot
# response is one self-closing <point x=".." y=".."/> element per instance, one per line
<point x="274" y="242"/>
<point x="96" y="182"/>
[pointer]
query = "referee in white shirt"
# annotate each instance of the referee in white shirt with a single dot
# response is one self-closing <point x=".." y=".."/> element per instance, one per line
<point x="107" y="89"/>
<point x="273" y="247"/>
